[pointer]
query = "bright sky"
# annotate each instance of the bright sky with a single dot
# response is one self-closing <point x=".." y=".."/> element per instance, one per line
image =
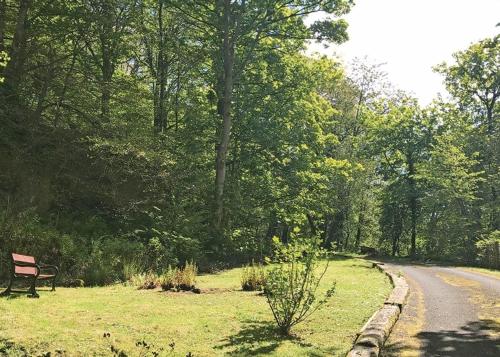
<point x="412" y="36"/>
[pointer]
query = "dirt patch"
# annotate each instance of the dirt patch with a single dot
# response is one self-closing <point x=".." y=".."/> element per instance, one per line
<point x="217" y="290"/>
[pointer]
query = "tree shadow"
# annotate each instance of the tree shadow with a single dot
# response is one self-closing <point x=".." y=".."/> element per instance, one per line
<point x="258" y="338"/>
<point x="9" y="348"/>
<point x="476" y="338"/>
<point x="11" y="296"/>
<point x="338" y="257"/>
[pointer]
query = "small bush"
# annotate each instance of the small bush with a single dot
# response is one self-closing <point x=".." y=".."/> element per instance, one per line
<point x="180" y="279"/>
<point x="148" y="280"/>
<point x="168" y="279"/>
<point x="253" y="277"/>
<point x="292" y="282"/>
<point x="186" y="277"/>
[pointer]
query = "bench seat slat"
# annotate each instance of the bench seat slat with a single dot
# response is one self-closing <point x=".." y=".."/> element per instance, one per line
<point x="45" y="276"/>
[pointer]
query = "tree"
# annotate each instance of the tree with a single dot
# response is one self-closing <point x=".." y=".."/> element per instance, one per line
<point x="236" y="30"/>
<point x="474" y="82"/>
<point x="401" y="136"/>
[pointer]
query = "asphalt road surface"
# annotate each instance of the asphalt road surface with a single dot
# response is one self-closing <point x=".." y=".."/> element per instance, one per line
<point x="450" y="312"/>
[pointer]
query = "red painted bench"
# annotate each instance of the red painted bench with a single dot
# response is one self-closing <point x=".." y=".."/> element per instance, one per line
<point x="25" y="267"/>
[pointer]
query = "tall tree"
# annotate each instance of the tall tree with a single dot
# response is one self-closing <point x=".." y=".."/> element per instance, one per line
<point x="474" y="82"/>
<point x="401" y="137"/>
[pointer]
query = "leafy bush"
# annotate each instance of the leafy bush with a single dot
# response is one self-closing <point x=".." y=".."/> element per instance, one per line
<point x="253" y="277"/>
<point x="292" y="282"/>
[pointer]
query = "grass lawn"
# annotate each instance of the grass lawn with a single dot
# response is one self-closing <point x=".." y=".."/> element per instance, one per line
<point x="221" y="320"/>
<point x="491" y="272"/>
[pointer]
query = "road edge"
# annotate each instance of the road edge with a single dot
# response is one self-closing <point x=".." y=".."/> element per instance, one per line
<point x="375" y="332"/>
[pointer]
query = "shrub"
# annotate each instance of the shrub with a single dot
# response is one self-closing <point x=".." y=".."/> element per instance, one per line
<point x="168" y="279"/>
<point x="149" y="280"/>
<point x="180" y="279"/>
<point x="186" y="277"/>
<point x="292" y="282"/>
<point x="253" y="277"/>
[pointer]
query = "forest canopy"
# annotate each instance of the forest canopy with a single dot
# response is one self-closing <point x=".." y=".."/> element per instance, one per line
<point x="160" y="132"/>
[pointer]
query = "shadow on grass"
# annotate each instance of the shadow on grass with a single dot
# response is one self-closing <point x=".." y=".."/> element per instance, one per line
<point x="339" y="257"/>
<point x="474" y="339"/>
<point x="9" y="348"/>
<point x="259" y="338"/>
<point x="11" y="296"/>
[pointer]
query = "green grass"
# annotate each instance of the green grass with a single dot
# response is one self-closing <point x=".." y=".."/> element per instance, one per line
<point x="221" y="320"/>
<point x="491" y="272"/>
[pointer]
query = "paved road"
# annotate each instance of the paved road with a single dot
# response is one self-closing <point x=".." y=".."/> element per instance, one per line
<point x="450" y="312"/>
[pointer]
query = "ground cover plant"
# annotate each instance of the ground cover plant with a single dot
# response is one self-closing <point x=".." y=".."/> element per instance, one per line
<point x="222" y="319"/>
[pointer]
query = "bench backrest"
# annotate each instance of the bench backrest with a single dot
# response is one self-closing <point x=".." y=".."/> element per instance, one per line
<point x="23" y="259"/>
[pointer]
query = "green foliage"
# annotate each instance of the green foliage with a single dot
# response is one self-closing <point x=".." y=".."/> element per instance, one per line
<point x="113" y="115"/>
<point x="292" y="283"/>
<point x="4" y="58"/>
<point x="131" y="268"/>
<point x="253" y="277"/>
<point x="489" y="250"/>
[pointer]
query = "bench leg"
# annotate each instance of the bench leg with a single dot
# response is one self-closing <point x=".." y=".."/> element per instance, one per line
<point x="54" y="284"/>
<point x="32" y="291"/>
<point x="8" y="290"/>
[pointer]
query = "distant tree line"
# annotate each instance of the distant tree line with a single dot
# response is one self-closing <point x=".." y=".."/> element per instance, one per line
<point x="156" y="132"/>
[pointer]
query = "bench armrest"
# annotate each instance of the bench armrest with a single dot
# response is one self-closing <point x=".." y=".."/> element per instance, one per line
<point x="54" y="268"/>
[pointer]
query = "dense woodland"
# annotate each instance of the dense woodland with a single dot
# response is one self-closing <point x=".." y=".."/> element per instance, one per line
<point x="156" y="132"/>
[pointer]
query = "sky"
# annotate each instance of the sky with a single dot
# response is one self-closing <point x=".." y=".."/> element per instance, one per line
<point x="412" y="36"/>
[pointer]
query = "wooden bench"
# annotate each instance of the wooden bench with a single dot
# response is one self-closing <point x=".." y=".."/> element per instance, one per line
<point x="25" y="267"/>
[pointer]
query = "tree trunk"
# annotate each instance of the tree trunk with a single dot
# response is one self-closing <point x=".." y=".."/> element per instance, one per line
<point x="347" y="228"/>
<point x="43" y="93"/>
<point x="3" y="15"/>
<point x="159" y="119"/>
<point x="361" y="222"/>
<point x="413" y="206"/>
<point x="106" y="88"/>
<point x="107" y="65"/>
<point x="285" y="234"/>
<point x="310" y="219"/>
<point x="272" y="227"/>
<point x="17" y="54"/>
<point x="396" y="234"/>
<point x="225" y="94"/>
